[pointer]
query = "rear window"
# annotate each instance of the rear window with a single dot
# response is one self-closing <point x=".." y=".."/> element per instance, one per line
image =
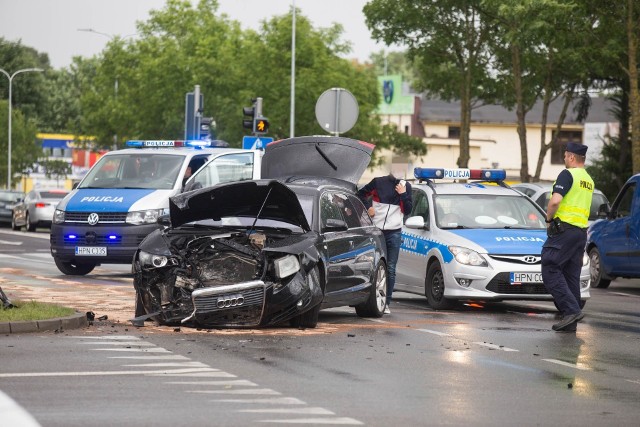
<point x="52" y="195"/>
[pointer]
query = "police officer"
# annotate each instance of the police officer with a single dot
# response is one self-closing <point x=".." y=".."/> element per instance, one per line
<point x="562" y="253"/>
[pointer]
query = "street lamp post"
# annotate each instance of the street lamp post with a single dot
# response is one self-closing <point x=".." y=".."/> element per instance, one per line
<point x="10" y="77"/>
<point x="292" y="107"/>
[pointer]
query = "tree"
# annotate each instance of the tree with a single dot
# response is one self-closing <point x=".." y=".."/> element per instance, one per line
<point x="447" y="41"/>
<point x="633" y="43"/>
<point x="56" y="168"/>
<point x="393" y="63"/>
<point x="25" y="149"/>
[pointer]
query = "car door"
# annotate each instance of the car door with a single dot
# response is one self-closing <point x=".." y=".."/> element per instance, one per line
<point x="411" y="268"/>
<point x="339" y="242"/>
<point x="615" y="243"/>
<point x="224" y="168"/>
<point x="20" y="210"/>
<point x="634" y="235"/>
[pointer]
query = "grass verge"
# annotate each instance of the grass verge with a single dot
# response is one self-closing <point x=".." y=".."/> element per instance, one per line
<point x="33" y="310"/>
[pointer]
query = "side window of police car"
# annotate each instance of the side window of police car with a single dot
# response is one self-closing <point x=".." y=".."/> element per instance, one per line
<point x="331" y="212"/>
<point x="420" y="205"/>
<point x="227" y="168"/>
<point x="624" y="203"/>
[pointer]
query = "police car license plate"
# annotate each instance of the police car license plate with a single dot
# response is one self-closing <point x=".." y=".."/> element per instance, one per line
<point x="91" y="250"/>
<point x="519" y="278"/>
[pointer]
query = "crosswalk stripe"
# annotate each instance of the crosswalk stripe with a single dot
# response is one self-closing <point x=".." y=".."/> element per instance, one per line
<point x="244" y="383"/>
<point x="305" y="411"/>
<point x="268" y="401"/>
<point x="262" y="391"/>
<point x="328" y="421"/>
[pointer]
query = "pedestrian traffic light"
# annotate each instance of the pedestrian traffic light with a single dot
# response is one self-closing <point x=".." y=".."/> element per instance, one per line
<point x="254" y="120"/>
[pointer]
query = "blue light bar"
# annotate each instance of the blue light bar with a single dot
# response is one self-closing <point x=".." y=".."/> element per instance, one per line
<point x="112" y="237"/>
<point x="443" y="173"/>
<point x="72" y="236"/>
<point x="197" y="143"/>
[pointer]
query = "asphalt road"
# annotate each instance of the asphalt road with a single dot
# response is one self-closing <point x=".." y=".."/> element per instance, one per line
<point x="483" y="364"/>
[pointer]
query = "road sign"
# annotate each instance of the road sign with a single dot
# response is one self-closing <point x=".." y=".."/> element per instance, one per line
<point x="255" y="142"/>
<point x="337" y="110"/>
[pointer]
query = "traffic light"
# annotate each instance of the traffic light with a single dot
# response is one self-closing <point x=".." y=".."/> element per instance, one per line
<point x="254" y="120"/>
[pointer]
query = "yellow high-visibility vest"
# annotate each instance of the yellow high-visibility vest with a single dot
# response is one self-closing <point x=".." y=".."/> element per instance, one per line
<point x="576" y="204"/>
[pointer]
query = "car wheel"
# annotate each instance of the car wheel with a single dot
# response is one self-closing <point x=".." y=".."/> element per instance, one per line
<point x="374" y="306"/>
<point x="14" y="226"/>
<point x="309" y="319"/>
<point x="434" y="288"/>
<point x="72" y="268"/>
<point x="30" y="227"/>
<point x="597" y="281"/>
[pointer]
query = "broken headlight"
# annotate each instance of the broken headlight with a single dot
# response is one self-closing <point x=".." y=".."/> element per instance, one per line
<point x="148" y="260"/>
<point x="286" y="266"/>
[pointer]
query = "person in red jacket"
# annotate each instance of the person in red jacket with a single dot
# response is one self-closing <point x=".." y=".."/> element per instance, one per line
<point x="388" y="200"/>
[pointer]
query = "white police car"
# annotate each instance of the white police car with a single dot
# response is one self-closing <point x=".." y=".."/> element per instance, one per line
<point x="118" y="203"/>
<point x="479" y="240"/>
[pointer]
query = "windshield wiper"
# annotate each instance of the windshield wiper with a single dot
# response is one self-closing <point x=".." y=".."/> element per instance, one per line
<point x="326" y="158"/>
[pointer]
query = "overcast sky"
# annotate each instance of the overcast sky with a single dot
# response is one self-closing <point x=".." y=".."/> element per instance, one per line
<point x="51" y="25"/>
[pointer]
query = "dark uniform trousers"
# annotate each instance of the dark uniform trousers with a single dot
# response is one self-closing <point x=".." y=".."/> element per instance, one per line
<point x="561" y="265"/>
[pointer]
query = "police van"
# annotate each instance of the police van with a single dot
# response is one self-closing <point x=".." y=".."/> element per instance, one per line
<point x="118" y="203"/>
<point x="473" y="240"/>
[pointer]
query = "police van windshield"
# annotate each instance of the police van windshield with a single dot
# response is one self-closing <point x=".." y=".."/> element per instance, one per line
<point x="144" y="170"/>
<point x="487" y="211"/>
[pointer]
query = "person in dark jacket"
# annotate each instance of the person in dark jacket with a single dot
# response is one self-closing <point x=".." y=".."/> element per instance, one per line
<point x="388" y="200"/>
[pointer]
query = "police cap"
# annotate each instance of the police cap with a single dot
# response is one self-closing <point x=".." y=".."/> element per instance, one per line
<point x="575" y="148"/>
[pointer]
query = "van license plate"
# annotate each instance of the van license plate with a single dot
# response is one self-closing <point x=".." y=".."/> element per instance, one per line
<point x="519" y="278"/>
<point x="91" y="250"/>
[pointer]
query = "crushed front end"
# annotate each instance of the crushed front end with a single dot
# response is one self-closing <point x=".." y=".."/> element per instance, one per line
<point x="215" y="278"/>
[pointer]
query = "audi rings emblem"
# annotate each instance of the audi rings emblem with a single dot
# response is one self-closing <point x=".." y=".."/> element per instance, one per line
<point x="530" y="259"/>
<point x="93" y="219"/>
<point x="230" y="301"/>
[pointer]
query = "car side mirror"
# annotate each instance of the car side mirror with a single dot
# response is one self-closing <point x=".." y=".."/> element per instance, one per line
<point x="75" y="185"/>
<point x="416" y="222"/>
<point x="604" y="211"/>
<point x="164" y="220"/>
<point x="335" y="225"/>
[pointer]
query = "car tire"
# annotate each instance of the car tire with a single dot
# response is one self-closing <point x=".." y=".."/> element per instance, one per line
<point x="374" y="306"/>
<point x="30" y="227"/>
<point x="72" y="268"/>
<point x="14" y="226"/>
<point x="595" y="269"/>
<point x="308" y="319"/>
<point x="434" y="288"/>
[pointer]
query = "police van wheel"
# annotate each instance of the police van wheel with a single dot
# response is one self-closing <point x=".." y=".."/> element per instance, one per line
<point x="595" y="268"/>
<point x="72" y="268"/>
<point x="374" y="306"/>
<point x="434" y="288"/>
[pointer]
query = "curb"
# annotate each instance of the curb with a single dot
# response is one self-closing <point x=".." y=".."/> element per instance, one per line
<point x="75" y="321"/>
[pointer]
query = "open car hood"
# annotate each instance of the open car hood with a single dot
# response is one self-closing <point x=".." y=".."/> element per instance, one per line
<point x="238" y="199"/>
<point x="322" y="156"/>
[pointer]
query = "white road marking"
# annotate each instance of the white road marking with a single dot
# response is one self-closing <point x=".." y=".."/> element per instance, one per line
<point x="170" y="364"/>
<point x="429" y="331"/>
<point x="10" y="242"/>
<point x="106" y="373"/>
<point x="495" y="346"/>
<point x="134" y="350"/>
<point x="136" y="343"/>
<point x="563" y="363"/>
<point x="260" y="391"/>
<point x="330" y="421"/>
<point x="305" y="411"/>
<point x="106" y="337"/>
<point x="624" y="294"/>
<point x="201" y="374"/>
<point x="168" y="357"/>
<point x="634" y="381"/>
<point x="13" y="414"/>
<point x="226" y="383"/>
<point x="269" y="401"/>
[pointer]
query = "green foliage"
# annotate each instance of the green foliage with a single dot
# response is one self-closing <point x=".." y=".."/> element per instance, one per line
<point x="56" y="168"/>
<point x="25" y="149"/>
<point x="607" y="171"/>
<point x="396" y="63"/>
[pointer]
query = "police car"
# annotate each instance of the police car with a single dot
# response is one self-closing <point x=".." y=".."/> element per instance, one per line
<point x="118" y="203"/>
<point x="474" y="240"/>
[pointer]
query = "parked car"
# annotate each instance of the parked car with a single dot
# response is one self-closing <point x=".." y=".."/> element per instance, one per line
<point x="262" y="252"/>
<point x="36" y="210"/>
<point x="540" y="193"/>
<point x="8" y="198"/>
<point x="613" y="244"/>
<point x="476" y="240"/>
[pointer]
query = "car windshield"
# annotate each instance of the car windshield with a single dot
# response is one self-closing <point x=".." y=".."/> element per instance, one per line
<point x="9" y="197"/>
<point x="487" y="211"/>
<point x="134" y="170"/>
<point x="52" y="195"/>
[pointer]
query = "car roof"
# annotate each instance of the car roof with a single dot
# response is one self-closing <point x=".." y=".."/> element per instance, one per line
<point x="176" y="151"/>
<point x="469" y="188"/>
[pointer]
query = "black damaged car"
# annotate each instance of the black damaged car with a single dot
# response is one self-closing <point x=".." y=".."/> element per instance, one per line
<point x="257" y="253"/>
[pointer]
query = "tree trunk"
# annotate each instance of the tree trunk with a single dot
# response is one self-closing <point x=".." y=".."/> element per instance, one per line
<point x="544" y="147"/>
<point x="623" y="135"/>
<point x="633" y="26"/>
<point x="465" y="119"/>
<point x="520" y="112"/>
